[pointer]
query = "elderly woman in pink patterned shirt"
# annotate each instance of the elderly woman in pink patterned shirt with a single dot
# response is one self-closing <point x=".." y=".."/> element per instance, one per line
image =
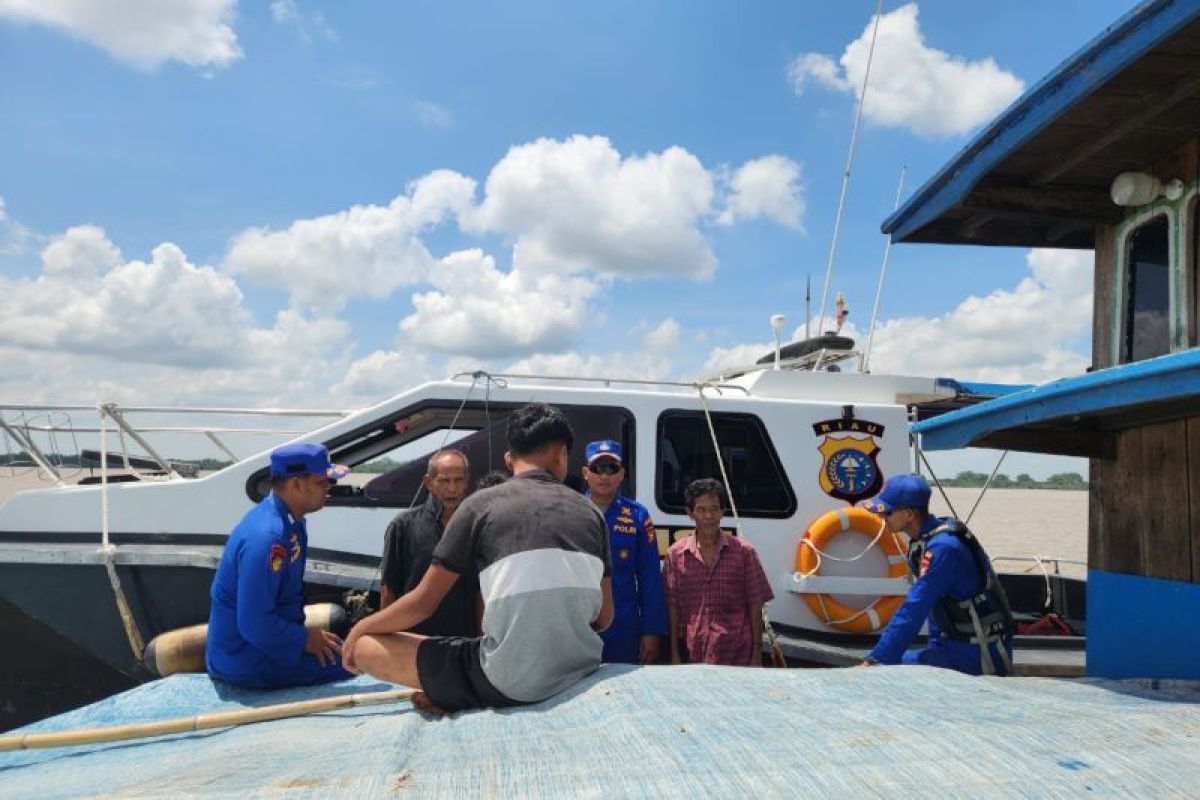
<point x="716" y="588"/>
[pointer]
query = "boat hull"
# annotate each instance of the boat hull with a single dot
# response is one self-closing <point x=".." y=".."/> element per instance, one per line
<point x="64" y="643"/>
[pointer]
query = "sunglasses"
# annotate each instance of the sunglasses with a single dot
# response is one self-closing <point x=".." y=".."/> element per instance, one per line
<point x="605" y="467"/>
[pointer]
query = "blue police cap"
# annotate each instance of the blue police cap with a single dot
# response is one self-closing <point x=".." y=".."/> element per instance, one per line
<point x="901" y="491"/>
<point x="304" y="458"/>
<point x="605" y="448"/>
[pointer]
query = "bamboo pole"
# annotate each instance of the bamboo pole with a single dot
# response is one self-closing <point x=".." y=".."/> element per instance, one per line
<point x="200" y="722"/>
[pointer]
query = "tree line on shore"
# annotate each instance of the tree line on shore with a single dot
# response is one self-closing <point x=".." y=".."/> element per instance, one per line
<point x="975" y="480"/>
<point x="22" y="459"/>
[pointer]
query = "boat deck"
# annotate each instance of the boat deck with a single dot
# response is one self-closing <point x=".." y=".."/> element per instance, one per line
<point x="693" y="731"/>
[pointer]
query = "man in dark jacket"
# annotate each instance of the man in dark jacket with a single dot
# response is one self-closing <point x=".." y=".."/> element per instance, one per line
<point x="411" y="538"/>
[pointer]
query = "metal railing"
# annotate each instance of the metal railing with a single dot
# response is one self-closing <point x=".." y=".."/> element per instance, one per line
<point x="17" y="426"/>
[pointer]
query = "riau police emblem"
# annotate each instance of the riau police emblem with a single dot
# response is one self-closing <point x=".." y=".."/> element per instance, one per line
<point x="848" y="449"/>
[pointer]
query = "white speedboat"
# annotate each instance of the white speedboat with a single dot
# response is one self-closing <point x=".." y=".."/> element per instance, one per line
<point x="89" y="573"/>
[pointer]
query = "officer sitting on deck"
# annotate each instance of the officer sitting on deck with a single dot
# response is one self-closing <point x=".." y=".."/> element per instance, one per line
<point x="256" y="633"/>
<point x="639" y="610"/>
<point x="956" y="588"/>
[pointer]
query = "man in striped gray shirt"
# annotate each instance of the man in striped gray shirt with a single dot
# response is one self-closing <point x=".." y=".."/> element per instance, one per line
<point x="541" y="553"/>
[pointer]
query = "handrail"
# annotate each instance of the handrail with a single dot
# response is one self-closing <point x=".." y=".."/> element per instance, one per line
<point x="251" y="412"/>
<point x="1035" y="559"/>
<point x="157" y="429"/>
<point x="809" y="362"/>
<point x="603" y="381"/>
<point x="21" y="428"/>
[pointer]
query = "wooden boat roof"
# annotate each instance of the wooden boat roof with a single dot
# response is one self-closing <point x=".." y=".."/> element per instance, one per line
<point x="1040" y="174"/>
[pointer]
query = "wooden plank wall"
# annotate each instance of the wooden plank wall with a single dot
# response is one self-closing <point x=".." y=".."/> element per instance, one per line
<point x="1103" y="290"/>
<point x="1194" y="492"/>
<point x="1144" y="505"/>
<point x="1144" y="509"/>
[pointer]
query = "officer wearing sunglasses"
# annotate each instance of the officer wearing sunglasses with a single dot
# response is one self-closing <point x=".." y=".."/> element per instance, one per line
<point x="640" y="613"/>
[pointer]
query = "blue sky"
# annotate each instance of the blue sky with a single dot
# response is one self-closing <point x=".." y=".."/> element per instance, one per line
<point x="301" y="203"/>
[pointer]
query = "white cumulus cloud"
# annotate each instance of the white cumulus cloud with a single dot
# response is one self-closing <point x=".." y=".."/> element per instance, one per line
<point x="144" y="33"/>
<point x="364" y="251"/>
<point x="1030" y="333"/>
<point x="381" y="374"/>
<point x="769" y="188"/>
<point x="912" y="85"/>
<point x="663" y="337"/>
<point x="15" y="238"/>
<point x="1018" y="335"/>
<point x="479" y="310"/>
<point x="88" y="299"/>
<point x="651" y="360"/>
<point x="578" y="205"/>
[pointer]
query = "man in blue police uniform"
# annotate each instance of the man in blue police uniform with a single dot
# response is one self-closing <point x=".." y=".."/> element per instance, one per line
<point x="256" y="633"/>
<point x="640" y="613"/>
<point x="956" y="589"/>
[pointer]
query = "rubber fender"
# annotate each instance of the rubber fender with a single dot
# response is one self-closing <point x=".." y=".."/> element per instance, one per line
<point x="182" y="649"/>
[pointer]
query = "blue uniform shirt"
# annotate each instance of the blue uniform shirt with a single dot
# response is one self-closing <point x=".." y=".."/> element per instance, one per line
<point x="637" y="589"/>
<point x="947" y="568"/>
<point x="256" y="629"/>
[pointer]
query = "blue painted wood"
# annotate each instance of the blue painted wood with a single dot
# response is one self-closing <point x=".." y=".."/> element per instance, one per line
<point x="1142" y="627"/>
<point x="1074" y="80"/>
<point x="1166" y="378"/>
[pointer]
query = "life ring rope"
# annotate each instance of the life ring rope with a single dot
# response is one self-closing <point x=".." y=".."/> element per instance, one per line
<point x="810" y="555"/>
<point x="821" y="554"/>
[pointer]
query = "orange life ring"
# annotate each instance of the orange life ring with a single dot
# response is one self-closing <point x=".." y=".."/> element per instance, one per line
<point x="826" y="527"/>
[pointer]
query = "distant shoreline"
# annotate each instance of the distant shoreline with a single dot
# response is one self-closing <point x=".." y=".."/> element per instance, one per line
<point x="1062" y="481"/>
<point x="956" y="485"/>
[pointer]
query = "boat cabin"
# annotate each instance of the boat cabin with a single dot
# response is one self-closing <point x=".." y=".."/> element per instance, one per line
<point x="1104" y="154"/>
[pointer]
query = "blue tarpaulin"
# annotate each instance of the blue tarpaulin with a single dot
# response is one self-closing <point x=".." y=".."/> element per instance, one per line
<point x="694" y="731"/>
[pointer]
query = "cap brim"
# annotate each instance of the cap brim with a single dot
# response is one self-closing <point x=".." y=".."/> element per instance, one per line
<point x="877" y="507"/>
<point x="609" y="456"/>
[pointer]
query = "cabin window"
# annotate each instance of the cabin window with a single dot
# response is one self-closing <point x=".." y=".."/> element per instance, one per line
<point x="758" y="484"/>
<point x="1147" y="321"/>
<point x="389" y="457"/>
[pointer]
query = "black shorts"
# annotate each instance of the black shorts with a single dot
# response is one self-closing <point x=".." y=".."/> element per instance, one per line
<point x="450" y="673"/>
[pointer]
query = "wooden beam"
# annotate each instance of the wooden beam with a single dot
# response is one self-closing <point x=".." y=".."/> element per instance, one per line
<point x="1162" y="484"/>
<point x="1121" y="508"/>
<point x="1060" y="231"/>
<point x="1103" y="289"/>
<point x="1099" y="470"/>
<point x="1151" y="107"/>
<point x="1061" y="204"/>
<point x="976" y="222"/>
<point x="1088" y="444"/>
<point x="1193" y="467"/>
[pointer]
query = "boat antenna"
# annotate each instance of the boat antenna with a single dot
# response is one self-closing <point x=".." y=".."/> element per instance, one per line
<point x="887" y="249"/>
<point x="837" y="222"/>
<point x="808" y="306"/>
<point x="777" y="321"/>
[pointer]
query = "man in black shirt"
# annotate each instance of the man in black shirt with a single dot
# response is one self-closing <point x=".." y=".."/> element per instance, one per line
<point x="411" y="537"/>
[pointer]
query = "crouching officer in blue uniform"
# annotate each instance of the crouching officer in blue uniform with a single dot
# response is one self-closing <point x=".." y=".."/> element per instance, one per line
<point x="639" y="610"/>
<point x="970" y="624"/>
<point x="256" y="633"/>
